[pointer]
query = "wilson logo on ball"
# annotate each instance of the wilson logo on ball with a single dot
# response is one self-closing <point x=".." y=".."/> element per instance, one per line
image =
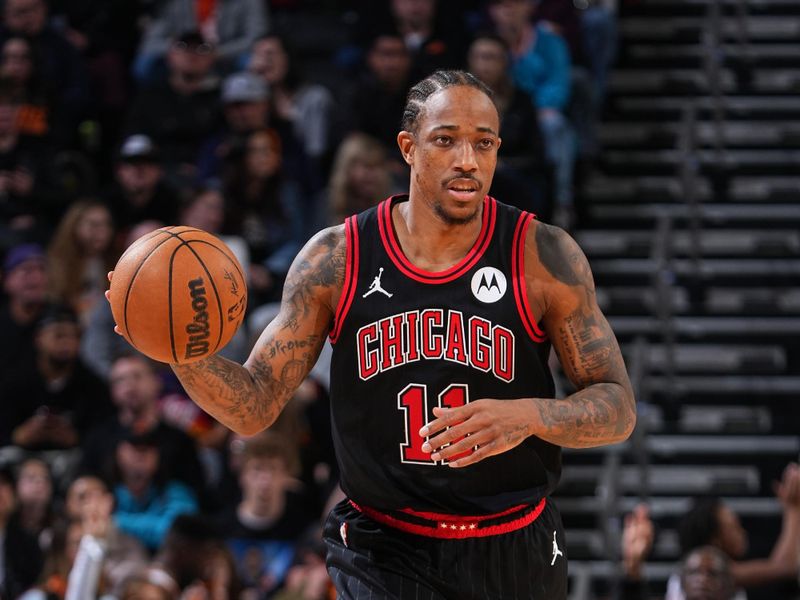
<point x="198" y="328"/>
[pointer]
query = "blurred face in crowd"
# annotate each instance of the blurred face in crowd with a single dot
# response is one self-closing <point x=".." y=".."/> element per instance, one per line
<point x="138" y="178"/>
<point x="59" y="342"/>
<point x="27" y="283"/>
<point x="191" y="63"/>
<point x="134" y="388"/>
<point x="17" y="62"/>
<point x="206" y="212"/>
<point x="80" y="492"/>
<point x="263" y="155"/>
<point x="414" y="14"/>
<point x="27" y="17"/>
<point x="731" y="536"/>
<point x="144" y="590"/>
<point x="137" y="465"/>
<point x="270" y="60"/>
<point x="34" y="485"/>
<point x="511" y="14"/>
<point x="488" y="61"/>
<point x="390" y="61"/>
<point x="246" y="116"/>
<point x="95" y="230"/>
<point x="263" y="479"/>
<point x="367" y="176"/>
<point x="706" y="575"/>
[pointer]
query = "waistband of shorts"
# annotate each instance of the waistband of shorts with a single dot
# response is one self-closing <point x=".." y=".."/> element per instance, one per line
<point x="444" y="526"/>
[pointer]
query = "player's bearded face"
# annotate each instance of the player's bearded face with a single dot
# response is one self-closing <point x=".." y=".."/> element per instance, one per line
<point x="455" y="153"/>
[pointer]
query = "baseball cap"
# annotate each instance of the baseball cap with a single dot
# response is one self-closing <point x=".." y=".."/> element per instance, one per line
<point x="57" y="313"/>
<point x="139" y="147"/>
<point x="20" y="254"/>
<point x="244" y="87"/>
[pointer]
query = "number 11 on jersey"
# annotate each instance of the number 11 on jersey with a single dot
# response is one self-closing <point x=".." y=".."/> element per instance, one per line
<point x="413" y="403"/>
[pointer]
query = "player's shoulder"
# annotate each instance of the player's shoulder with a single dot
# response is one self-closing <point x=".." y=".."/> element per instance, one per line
<point x="552" y="253"/>
<point x="321" y="262"/>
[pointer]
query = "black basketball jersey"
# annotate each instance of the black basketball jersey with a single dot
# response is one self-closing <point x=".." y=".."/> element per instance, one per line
<point x="406" y="340"/>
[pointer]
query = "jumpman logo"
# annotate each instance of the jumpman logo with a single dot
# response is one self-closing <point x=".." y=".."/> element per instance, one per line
<point x="375" y="286"/>
<point x="556" y="551"/>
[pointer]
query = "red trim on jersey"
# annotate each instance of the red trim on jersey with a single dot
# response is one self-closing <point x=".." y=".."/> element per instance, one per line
<point x="518" y="278"/>
<point x="455" y="526"/>
<point x="406" y="267"/>
<point x="350" y="276"/>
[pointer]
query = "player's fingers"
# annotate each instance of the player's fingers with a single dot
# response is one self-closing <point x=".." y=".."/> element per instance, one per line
<point x="117" y="330"/>
<point x="483" y="451"/>
<point x="110" y="275"/>
<point x="455" y="432"/>
<point x="445" y="417"/>
<point x="108" y="295"/>
<point x="468" y="444"/>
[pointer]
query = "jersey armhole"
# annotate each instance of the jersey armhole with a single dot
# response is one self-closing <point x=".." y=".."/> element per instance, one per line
<point x="350" y="276"/>
<point x="518" y="278"/>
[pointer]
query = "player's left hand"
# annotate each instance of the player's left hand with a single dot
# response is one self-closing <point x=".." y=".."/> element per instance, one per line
<point x="494" y="426"/>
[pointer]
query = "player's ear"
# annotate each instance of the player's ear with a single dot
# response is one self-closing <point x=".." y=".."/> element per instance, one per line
<point x="407" y="142"/>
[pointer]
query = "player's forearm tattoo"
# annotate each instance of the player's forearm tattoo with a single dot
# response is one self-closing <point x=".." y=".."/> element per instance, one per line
<point x="603" y="408"/>
<point x="250" y="397"/>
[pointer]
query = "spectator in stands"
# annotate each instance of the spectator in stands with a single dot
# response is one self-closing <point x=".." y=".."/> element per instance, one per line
<point x="147" y="500"/>
<point x="20" y="66"/>
<point x="541" y="67"/>
<point x="522" y="175"/>
<point x="181" y="112"/>
<point x="63" y="67"/>
<point x="712" y="522"/>
<point x="265" y="209"/>
<point x="360" y="178"/>
<point x="193" y="557"/>
<point x="89" y="502"/>
<point x="135" y="391"/>
<point x="705" y="574"/>
<point x="380" y="93"/>
<point x="58" y="561"/>
<point x="140" y="191"/>
<point x="29" y="203"/>
<point x="20" y="557"/>
<point x="231" y="25"/>
<point x="302" y="112"/>
<point x="262" y="531"/>
<point x="245" y="106"/>
<point x="25" y="285"/>
<point x="53" y="400"/>
<point x="80" y="255"/>
<point x="35" y="511"/>
<point x="149" y="584"/>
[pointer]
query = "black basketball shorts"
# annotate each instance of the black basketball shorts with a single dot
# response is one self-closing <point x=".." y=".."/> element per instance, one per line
<point x="517" y="554"/>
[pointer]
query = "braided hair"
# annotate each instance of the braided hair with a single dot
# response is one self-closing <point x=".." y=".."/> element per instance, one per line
<point x="439" y="80"/>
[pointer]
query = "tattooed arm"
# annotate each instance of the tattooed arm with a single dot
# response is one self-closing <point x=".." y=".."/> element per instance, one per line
<point x="603" y="410"/>
<point x="247" y="398"/>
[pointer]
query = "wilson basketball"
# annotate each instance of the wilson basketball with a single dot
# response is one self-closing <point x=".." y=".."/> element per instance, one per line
<point x="178" y="294"/>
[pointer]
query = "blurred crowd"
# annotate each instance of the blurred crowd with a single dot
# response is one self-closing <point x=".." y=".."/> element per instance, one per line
<point x="118" y="117"/>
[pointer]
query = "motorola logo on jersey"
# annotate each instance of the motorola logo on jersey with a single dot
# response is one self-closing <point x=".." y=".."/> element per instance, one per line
<point x="488" y="285"/>
<point x="435" y="334"/>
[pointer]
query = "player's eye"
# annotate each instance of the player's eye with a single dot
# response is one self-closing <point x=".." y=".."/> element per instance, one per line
<point x="486" y="143"/>
<point x="442" y="140"/>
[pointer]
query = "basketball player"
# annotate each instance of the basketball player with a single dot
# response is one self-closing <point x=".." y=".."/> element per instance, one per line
<point x="444" y="420"/>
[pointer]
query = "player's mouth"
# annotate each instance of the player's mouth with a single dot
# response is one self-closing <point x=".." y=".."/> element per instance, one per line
<point x="463" y="189"/>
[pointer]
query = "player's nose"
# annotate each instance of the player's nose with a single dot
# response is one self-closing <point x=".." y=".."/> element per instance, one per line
<point x="466" y="158"/>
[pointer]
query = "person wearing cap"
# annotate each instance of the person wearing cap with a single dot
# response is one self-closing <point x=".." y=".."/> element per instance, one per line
<point x="20" y="557"/>
<point x="181" y="112"/>
<point x="140" y="191"/>
<point x="245" y="108"/>
<point x="50" y="401"/>
<point x="25" y="283"/>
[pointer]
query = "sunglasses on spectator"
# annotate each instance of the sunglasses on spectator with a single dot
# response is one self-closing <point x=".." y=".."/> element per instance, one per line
<point x="202" y="49"/>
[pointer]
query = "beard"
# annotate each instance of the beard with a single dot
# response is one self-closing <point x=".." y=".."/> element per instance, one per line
<point x="449" y="219"/>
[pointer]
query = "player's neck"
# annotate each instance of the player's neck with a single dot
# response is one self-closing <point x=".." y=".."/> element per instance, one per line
<point x="428" y="241"/>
